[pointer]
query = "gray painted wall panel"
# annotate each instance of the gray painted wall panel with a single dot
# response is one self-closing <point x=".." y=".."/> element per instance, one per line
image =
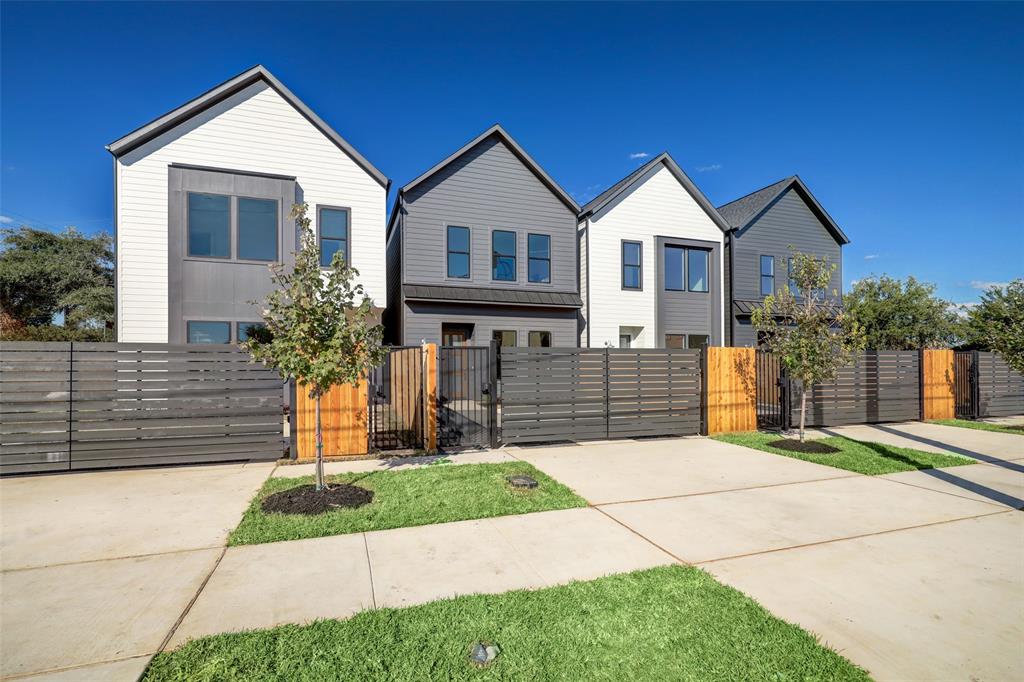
<point x="423" y="322"/>
<point x="688" y="312"/>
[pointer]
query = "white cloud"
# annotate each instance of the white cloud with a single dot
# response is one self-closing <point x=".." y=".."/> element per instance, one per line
<point x="639" y="155"/>
<point x="871" y="256"/>
<point x="982" y="285"/>
<point x="5" y="219"/>
<point x="709" y="168"/>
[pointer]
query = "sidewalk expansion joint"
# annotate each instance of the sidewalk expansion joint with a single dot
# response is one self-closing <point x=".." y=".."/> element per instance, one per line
<point x="113" y="558"/>
<point x="728" y="490"/>
<point x="643" y="537"/>
<point x="192" y="601"/>
<point x="369" y="567"/>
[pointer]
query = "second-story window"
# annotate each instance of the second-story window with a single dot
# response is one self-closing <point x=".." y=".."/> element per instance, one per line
<point x="674" y="268"/>
<point x="458" y="252"/>
<point x="539" y="262"/>
<point x="686" y="269"/>
<point x="503" y="256"/>
<point x="632" y="268"/>
<point x="793" y="288"/>
<point x="697" y="270"/>
<point x="209" y="225"/>
<point x="767" y="275"/>
<point x="334" y="235"/>
<point x="257" y="229"/>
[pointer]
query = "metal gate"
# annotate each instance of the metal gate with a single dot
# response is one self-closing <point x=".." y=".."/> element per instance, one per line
<point x="772" y="392"/>
<point x="467" y="378"/>
<point x="965" y="384"/>
<point x="395" y="397"/>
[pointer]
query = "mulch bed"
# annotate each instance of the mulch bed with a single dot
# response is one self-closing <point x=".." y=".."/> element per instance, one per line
<point x="809" y="446"/>
<point x="304" y="499"/>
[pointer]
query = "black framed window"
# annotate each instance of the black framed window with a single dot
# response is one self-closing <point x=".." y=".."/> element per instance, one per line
<point x="246" y="328"/>
<point x="767" y="275"/>
<point x="333" y="224"/>
<point x="458" y="252"/>
<point x="257" y="229"/>
<point x="208" y="332"/>
<point x="506" y="338"/>
<point x="674" y="268"/>
<point x="697" y="340"/>
<point x="540" y="339"/>
<point x="632" y="265"/>
<point x="209" y="225"/>
<point x="697" y="270"/>
<point x="538" y="263"/>
<point x="675" y="341"/>
<point x="503" y="256"/>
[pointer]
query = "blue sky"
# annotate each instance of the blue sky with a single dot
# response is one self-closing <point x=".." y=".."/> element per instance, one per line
<point x="904" y="119"/>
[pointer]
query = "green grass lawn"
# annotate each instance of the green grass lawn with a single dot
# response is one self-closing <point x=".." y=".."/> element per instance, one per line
<point x="669" y="623"/>
<point x="415" y="497"/>
<point x="854" y="455"/>
<point x="981" y="426"/>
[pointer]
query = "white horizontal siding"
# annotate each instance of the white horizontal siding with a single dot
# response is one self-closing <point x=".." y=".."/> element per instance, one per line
<point x="658" y="207"/>
<point x="255" y="130"/>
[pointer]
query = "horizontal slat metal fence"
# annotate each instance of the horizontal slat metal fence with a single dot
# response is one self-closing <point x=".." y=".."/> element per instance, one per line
<point x="653" y="392"/>
<point x="1000" y="388"/>
<point x="91" y="405"/>
<point x="879" y="386"/>
<point x="552" y="394"/>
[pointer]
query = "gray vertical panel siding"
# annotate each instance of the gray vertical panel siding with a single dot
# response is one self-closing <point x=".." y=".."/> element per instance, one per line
<point x="787" y="221"/>
<point x="423" y="322"/>
<point x="1000" y="388"/>
<point x="488" y="188"/>
<point x="688" y="312"/>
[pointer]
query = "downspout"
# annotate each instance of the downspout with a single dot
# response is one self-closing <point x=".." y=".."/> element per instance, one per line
<point x="590" y="313"/>
<point x="732" y="290"/>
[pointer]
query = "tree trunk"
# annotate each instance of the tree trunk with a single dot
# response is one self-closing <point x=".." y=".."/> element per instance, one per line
<point x="803" y="409"/>
<point x="319" y="449"/>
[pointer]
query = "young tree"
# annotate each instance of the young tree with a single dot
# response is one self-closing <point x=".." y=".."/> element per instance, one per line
<point x="810" y="332"/>
<point x="319" y="329"/>
<point x="901" y="315"/>
<point x="997" y="323"/>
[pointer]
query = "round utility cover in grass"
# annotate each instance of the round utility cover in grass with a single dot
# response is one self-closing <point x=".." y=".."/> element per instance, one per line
<point x="810" y="446"/>
<point x="522" y="481"/>
<point x="305" y="499"/>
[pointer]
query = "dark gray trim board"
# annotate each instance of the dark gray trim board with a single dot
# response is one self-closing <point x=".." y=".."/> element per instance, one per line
<point x="218" y="93"/>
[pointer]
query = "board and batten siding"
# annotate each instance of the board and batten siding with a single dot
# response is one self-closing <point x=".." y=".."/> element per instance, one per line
<point x="488" y="188"/>
<point x="789" y="221"/>
<point x="659" y="207"/>
<point x="254" y="130"/>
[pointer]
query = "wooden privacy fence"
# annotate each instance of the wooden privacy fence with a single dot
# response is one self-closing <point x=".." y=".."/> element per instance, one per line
<point x="937" y="384"/>
<point x="70" y="406"/>
<point x="732" y="390"/>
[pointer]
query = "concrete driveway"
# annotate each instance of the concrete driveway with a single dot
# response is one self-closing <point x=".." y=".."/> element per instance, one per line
<point x="98" y="567"/>
<point x="915" y="576"/>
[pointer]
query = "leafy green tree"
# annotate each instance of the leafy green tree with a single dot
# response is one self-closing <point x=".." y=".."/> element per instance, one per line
<point x="45" y="273"/>
<point x="901" y="315"/>
<point x="320" y="329"/>
<point x="997" y="323"/>
<point x="810" y="332"/>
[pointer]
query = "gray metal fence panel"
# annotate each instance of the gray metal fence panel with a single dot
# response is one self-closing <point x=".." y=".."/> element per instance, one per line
<point x="1000" y="388"/>
<point x="135" y="404"/>
<point x="653" y="392"/>
<point x="878" y="386"/>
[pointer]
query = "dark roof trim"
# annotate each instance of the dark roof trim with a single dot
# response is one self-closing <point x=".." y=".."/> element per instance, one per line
<point x="499" y="132"/>
<point x="480" y="295"/>
<point x="761" y="204"/>
<point x="219" y="93"/>
<point x="637" y="177"/>
<point x="232" y="171"/>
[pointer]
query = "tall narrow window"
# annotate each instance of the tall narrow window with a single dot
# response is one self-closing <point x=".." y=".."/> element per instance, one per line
<point x="503" y="256"/>
<point x="540" y="339"/>
<point x="674" y="268"/>
<point x="334" y="235"/>
<point x="767" y="275"/>
<point x="458" y="252"/>
<point x="209" y="225"/>
<point x="539" y="261"/>
<point x="793" y="289"/>
<point x="257" y="229"/>
<point x="697" y="270"/>
<point x="632" y="268"/>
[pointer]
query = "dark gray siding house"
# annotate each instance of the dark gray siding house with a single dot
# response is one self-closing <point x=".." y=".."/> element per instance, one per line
<point x="483" y="246"/>
<point x="764" y="225"/>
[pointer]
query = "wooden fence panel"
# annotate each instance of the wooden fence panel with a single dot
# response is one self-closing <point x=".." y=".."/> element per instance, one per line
<point x="731" y="391"/>
<point x="343" y="420"/>
<point x="938" y="383"/>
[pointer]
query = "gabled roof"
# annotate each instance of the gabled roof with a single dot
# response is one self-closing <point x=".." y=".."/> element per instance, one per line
<point x="632" y="180"/>
<point x="746" y="209"/>
<point x="499" y="132"/>
<point x="219" y="93"/>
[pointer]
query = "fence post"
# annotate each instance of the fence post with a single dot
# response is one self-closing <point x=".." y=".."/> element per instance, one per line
<point x="494" y="357"/>
<point x="430" y="396"/>
<point x="704" y="390"/>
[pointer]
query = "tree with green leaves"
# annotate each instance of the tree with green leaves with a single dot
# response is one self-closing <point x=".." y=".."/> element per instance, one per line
<point x="319" y="327"/>
<point x="901" y="315"/>
<point x="45" y="273"/>
<point x="810" y="332"/>
<point x="997" y="323"/>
